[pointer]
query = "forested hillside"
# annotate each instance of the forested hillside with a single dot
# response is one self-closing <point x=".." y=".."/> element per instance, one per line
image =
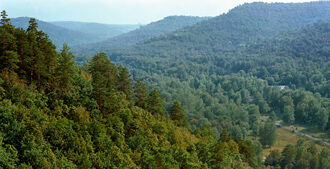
<point x="55" y="114"/>
<point x="75" y="33"/>
<point x="101" y="31"/>
<point x="204" y="96"/>
<point x="154" y="29"/>
<point x="221" y="67"/>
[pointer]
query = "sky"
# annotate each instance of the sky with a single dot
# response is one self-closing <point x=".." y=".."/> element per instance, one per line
<point x="119" y="11"/>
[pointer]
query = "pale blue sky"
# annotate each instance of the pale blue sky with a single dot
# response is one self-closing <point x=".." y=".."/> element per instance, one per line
<point x="118" y="11"/>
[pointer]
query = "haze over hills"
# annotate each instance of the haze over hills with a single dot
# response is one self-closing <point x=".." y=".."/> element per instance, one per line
<point x="195" y="64"/>
<point x="75" y="33"/>
<point x="246" y="89"/>
<point x="102" y="31"/>
<point x="154" y="29"/>
<point x="243" y="24"/>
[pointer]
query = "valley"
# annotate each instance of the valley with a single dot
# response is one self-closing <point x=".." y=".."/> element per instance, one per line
<point x="249" y="88"/>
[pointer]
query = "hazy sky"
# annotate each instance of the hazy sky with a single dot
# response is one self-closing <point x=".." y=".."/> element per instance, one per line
<point x="118" y="11"/>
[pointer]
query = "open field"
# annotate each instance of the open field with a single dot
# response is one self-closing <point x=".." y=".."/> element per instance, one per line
<point x="285" y="137"/>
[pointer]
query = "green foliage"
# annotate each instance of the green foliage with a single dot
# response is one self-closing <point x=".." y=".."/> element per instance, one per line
<point x="178" y="115"/>
<point x="216" y="74"/>
<point x="155" y="103"/>
<point x="54" y="114"/>
<point x="268" y="133"/>
<point x="167" y="25"/>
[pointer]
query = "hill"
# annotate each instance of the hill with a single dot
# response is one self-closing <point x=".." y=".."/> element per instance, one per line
<point x="161" y="27"/>
<point x="102" y="31"/>
<point x="223" y="64"/>
<point x="241" y="25"/>
<point x="75" y="33"/>
<point x="57" y="34"/>
<point x="55" y="114"/>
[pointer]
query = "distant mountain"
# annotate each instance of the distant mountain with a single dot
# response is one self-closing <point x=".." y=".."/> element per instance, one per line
<point x="241" y="25"/>
<point x="57" y="34"/>
<point x="102" y="31"/>
<point x="75" y="33"/>
<point x="154" y="29"/>
<point x="248" y="40"/>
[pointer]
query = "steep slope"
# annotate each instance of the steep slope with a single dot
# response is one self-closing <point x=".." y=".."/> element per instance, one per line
<point x="311" y="42"/>
<point x="164" y="26"/>
<point x="55" y="114"/>
<point x="102" y="31"/>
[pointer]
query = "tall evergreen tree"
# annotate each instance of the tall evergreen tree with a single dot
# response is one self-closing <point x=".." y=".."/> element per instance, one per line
<point x="125" y="81"/>
<point x="65" y="69"/>
<point x="178" y="115"/>
<point x="155" y="103"/>
<point x="105" y="78"/>
<point x="141" y="94"/>
<point x="8" y="55"/>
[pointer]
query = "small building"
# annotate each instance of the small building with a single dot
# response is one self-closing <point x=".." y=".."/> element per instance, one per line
<point x="282" y="87"/>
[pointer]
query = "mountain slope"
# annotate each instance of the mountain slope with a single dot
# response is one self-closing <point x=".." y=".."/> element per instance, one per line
<point x="164" y="26"/>
<point x="198" y="65"/>
<point x="239" y="26"/>
<point x="55" y="114"/>
<point x="58" y="35"/>
<point x="102" y="31"/>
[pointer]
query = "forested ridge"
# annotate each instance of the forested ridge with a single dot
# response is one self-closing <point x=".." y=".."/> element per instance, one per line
<point x="213" y="85"/>
<point x="167" y="25"/>
<point x="55" y="114"/>
<point x="75" y="33"/>
<point x="209" y="84"/>
<point x="226" y="71"/>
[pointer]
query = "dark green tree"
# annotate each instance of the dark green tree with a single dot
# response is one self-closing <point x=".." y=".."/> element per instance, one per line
<point x="125" y="81"/>
<point x="141" y="94"/>
<point x="178" y="114"/>
<point x="155" y="103"/>
<point x="105" y="78"/>
<point x="268" y="133"/>
<point x="65" y="68"/>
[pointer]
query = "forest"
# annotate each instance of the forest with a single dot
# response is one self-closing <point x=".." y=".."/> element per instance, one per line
<point x="193" y="98"/>
<point x="213" y="85"/>
<point x="55" y="114"/>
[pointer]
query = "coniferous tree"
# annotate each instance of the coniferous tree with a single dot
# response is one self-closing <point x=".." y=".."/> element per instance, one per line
<point x="141" y="94"/>
<point x="65" y="70"/>
<point x="125" y="81"/>
<point x="178" y="115"/>
<point x="8" y="55"/>
<point x="155" y="103"/>
<point x="105" y="78"/>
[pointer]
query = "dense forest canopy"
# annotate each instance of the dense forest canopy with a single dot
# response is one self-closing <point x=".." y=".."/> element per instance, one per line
<point x="214" y="80"/>
<point x="193" y="98"/>
<point x="55" y="114"/>
<point x="167" y="25"/>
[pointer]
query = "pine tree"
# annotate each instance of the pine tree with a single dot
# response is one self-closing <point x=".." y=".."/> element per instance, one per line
<point x="155" y="103"/>
<point x="105" y="78"/>
<point x="5" y="22"/>
<point x="141" y="94"/>
<point x="178" y="115"/>
<point x="65" y="68"/>
<point x="8" y="54"/>
<point x="125" y="81"/>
